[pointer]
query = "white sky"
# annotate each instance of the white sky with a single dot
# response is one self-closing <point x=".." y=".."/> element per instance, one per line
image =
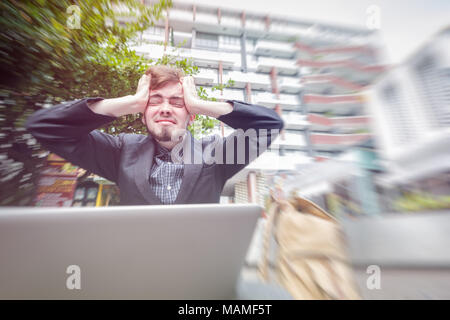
<point x="405" y="24"/>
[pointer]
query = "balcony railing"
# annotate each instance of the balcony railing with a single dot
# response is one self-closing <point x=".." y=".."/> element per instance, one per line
<point x="206" y="18"/>
<point x="340" y="63"/>
<point x="338" y="104"/>
<point x="231" y="22"/>
<point x="240" y="79"/>
<point x="255" y="27"/>
<point x="324" y="141"/>
<point x="276" y="49"/>
<point x="226" y="94"/>
<point x="284" y="30"/>
<point x="289" y="85"/>
<point x="184" y="15"/>
<point x="354" y="122"/>
<point x="202" y="58"/>
<point x="339" y="124"/>
<point x="327" y="99"/>
<point x="335" y="49"/>
<point x="295" y="121"/>
<point x="153" y="51"/>
<point x="319" y="123"/>
<point x="257" y="81"/>
<point x="328" y="82"/>
<point x="152" y="38"/>
<point x="348" y="69"/>
<point x="205" y="58"/>
<point x="270" y="100"/>
<point x="284" y="66"/>
<point x="291" y="141"/>
<point x="206" y="78"/>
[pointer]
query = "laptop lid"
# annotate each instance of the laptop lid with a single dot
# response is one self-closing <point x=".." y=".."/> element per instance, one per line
<point x="127" y="252"/>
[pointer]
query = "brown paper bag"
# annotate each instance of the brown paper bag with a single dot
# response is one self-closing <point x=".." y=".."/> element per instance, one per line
<point x="311" y="261"/>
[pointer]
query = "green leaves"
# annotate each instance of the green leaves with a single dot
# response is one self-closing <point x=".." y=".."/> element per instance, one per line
<point x="42" y="37"/>
<point x="60" y="50"/>
<point x="416" y="201"/>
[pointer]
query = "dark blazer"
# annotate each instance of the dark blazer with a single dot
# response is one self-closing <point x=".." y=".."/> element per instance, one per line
<point x="68" y="130"/>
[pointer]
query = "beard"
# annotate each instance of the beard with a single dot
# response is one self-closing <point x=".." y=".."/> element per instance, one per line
<point x="161" y="134"/>
<point x="164" y="133"/>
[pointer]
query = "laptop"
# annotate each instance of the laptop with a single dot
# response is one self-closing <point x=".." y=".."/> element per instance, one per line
<point x="124" y="252"/>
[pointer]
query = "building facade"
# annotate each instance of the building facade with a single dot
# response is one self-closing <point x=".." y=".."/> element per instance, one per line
<point x="410" y="107"/>
<point x="311" y="73"/>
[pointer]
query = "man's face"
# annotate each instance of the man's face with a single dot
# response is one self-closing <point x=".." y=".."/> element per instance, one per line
<point x="166" y="114"/>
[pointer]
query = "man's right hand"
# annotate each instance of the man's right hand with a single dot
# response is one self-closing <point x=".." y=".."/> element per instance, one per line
<point x="131" y="104"/>
<point x="142" y="94"/>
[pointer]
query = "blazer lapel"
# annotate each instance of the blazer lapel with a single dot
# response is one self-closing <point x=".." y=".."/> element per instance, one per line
<point x="144" y="155"/>
<point x="192" y="155"/>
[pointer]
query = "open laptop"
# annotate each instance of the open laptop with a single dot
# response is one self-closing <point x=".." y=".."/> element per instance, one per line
<point x="126" y="252"/>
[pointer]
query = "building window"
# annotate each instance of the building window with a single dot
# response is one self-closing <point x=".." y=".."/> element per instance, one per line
<point x="434" y="84"/>
<point x="398" y="114"/>
<point x="155" y="31"/>
<point x="230" y="42"/>
<point x="206" y="40"/>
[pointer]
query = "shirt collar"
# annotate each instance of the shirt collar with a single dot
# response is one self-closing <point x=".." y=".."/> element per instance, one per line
<point x="161" y="150"/>
<point x="165" y="154"/>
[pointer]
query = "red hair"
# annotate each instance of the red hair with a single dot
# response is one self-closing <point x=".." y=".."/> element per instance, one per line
<point x="162" y="74"/>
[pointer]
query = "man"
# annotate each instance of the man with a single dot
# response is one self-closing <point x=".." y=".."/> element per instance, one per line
<point x="143" y="166"/>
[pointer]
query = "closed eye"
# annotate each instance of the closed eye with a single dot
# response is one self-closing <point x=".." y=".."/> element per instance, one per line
<point x="155" y="100"/>
<point x="178" y="102"/>
<point x="174" y="101"/>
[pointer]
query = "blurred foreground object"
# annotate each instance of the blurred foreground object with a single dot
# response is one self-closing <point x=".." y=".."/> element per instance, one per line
<point x="312" y="261"/>
<point x="400" y="256"/>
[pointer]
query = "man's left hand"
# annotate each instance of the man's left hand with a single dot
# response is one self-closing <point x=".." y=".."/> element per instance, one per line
<point x="195" y="105"/>
<point x="191" y="98"/>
